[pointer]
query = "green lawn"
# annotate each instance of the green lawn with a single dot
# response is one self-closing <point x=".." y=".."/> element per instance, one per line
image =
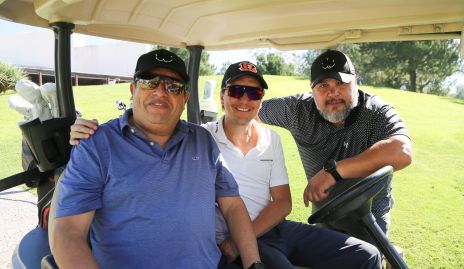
<point x="428" y="217"/>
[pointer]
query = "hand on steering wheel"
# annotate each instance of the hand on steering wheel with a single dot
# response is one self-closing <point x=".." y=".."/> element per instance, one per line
<point x="318" y="187"/>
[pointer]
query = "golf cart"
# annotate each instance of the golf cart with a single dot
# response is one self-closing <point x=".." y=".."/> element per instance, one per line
<point x="214" y="25"/>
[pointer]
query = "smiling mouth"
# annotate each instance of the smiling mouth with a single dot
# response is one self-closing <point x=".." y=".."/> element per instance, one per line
<point x="241" y="109"/>
<point x="158" y="104"/>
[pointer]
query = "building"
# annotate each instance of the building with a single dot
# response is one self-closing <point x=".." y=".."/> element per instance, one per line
<point x="105" y="62"/>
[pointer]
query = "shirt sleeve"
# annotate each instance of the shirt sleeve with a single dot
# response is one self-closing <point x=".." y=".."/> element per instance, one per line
<point x="279" y="111"/>
<point x="82" y="183"/>
<point x="225" y="182"/>
<point x="279" y="175"/>
<point x="389" y="123"/>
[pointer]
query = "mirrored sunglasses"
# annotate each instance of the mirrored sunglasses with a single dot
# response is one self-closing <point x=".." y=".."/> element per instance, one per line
<point x="237" y="91"/>
<point x="171" y="85"/>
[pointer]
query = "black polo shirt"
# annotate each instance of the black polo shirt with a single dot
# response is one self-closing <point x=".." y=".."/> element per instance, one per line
<point x="319" y="140"/>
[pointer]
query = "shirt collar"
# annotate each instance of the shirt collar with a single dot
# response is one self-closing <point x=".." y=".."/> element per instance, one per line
<point x="222" y="138"/>
<point x="181" y="126"/>
<point x="219" y="132"/>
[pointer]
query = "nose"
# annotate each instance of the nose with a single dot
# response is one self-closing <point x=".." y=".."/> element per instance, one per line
<point x="334" y="90"/>
<point x="244" y="98"/>
<point x="160" y="89"/>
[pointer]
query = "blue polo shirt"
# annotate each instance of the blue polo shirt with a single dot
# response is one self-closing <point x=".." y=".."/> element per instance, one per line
<point x="154" y="207"/>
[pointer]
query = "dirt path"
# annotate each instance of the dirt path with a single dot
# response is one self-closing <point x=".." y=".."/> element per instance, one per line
<point x="18" y="215"/>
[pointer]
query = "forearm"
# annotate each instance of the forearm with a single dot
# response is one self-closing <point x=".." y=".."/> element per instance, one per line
<point x="72" y="251"/>
<point x="242" y="232"/>
<point x="270" y="216"/>
<point x="70" y="246"/>
<point x="395" y="151"/>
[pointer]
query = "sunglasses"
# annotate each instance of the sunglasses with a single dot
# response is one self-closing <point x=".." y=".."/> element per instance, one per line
<point x="171" y="85"/>
<point x="237" y="91"/>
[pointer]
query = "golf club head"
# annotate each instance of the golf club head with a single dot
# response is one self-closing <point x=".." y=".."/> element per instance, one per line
<point x="48" y="92"/>
<point x="22" y="106"/>
<point x="31" y="93"/>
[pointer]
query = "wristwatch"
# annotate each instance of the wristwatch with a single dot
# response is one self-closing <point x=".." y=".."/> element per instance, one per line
<point x="330" y="166"/>
<point x="257" y="265"/>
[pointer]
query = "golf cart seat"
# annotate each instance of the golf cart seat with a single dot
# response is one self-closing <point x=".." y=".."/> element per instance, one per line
<point x="34" y="250"/>
<point x="356" y="202"/>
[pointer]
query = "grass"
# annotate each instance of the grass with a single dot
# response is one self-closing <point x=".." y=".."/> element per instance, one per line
<point x="428" y="217"/>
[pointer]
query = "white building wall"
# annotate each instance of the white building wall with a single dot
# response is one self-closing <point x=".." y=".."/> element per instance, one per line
<point x="36" y="49"/>
<point x="118" y="59"/>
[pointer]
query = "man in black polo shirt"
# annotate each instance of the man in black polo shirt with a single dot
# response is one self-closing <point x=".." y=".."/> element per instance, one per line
<point x="342" y="133"/>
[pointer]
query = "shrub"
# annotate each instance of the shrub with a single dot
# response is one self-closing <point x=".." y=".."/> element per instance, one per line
<point x="9" y="75"/>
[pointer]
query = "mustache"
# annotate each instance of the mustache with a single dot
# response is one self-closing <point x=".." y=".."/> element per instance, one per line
<point x="335" y="101"/>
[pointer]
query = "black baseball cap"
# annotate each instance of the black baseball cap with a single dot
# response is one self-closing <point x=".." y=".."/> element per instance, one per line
<point x="161" y="58"/>
<point x="241" y="69"/>
<point x="332" y="64"/>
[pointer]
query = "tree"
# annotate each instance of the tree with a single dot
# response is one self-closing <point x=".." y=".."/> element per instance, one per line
<point x="205" y="67"/>
<point x="9" y="74"/>
<point x="422" y="65"/>
<point x="306" y="60"/>
<point x="274" y="64"/>
<point x="224" y="67"/>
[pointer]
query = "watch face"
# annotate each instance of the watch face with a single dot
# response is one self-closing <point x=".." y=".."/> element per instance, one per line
<point x="329" y="165"/>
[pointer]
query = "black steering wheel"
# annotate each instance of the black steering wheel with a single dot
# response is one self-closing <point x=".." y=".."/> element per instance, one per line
<point x="356" y="202"/>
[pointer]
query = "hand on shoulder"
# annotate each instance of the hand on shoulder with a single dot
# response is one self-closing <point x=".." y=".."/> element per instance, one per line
<point x="82" y="129"/>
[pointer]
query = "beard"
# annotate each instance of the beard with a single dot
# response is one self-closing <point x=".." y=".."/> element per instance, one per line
<point x="336" y="115"/>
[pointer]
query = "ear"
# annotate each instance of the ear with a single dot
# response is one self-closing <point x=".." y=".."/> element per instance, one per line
<point x="186" y="97"/>
<point x="132" y="88"/>
<point x="355" y="78"/>
<point x="221" y="96"/>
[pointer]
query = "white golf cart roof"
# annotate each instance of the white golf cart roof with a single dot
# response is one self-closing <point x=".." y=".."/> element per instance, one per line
<point x="236" y="24"/>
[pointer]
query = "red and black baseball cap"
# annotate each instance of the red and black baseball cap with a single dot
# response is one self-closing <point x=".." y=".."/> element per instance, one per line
<point x="161" y="58"/>
<point x="240" y="69"/>
<point x="332" y="64"/>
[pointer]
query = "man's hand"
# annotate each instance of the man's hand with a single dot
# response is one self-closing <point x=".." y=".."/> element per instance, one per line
<point x="229" y="249"/>
<point x="318" y="187"/>
<point x="241" y="230"/>
<point x="82" y="129"/>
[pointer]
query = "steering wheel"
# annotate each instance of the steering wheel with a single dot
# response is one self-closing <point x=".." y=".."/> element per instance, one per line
<point x="356" y="202"/>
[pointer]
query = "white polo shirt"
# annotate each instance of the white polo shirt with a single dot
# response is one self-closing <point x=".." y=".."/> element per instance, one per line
<point x="256" y="172"/>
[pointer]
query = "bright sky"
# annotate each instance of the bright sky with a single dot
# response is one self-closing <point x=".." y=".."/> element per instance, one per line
<point x="216" y="57"/>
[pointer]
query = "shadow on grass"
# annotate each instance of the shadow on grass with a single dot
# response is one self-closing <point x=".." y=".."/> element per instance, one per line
<point x="454" y="100"/>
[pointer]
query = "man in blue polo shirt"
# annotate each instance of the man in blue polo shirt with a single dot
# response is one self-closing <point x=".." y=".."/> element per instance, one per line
<point x="146" y="185"/>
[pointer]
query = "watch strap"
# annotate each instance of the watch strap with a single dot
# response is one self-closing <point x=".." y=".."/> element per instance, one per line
<point x="331" y="167"/>
<point x="335" y="175"/>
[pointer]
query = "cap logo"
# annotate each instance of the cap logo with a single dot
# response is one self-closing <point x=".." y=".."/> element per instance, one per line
<point x="163" y="59"/>
<point x="247" y="66"/>
<point x="327" y="63"/>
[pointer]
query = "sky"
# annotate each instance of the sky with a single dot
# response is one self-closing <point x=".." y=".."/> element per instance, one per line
<point x="216" y="58"/>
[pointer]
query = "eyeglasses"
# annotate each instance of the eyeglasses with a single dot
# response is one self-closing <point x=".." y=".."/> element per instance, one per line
<point x="237" y="91"/>
<point x="171" y="85"/>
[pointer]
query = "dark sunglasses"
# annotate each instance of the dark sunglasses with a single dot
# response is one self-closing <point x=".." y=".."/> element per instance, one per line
<point x="171" y="85"/>
<point x="237" y="91"/>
